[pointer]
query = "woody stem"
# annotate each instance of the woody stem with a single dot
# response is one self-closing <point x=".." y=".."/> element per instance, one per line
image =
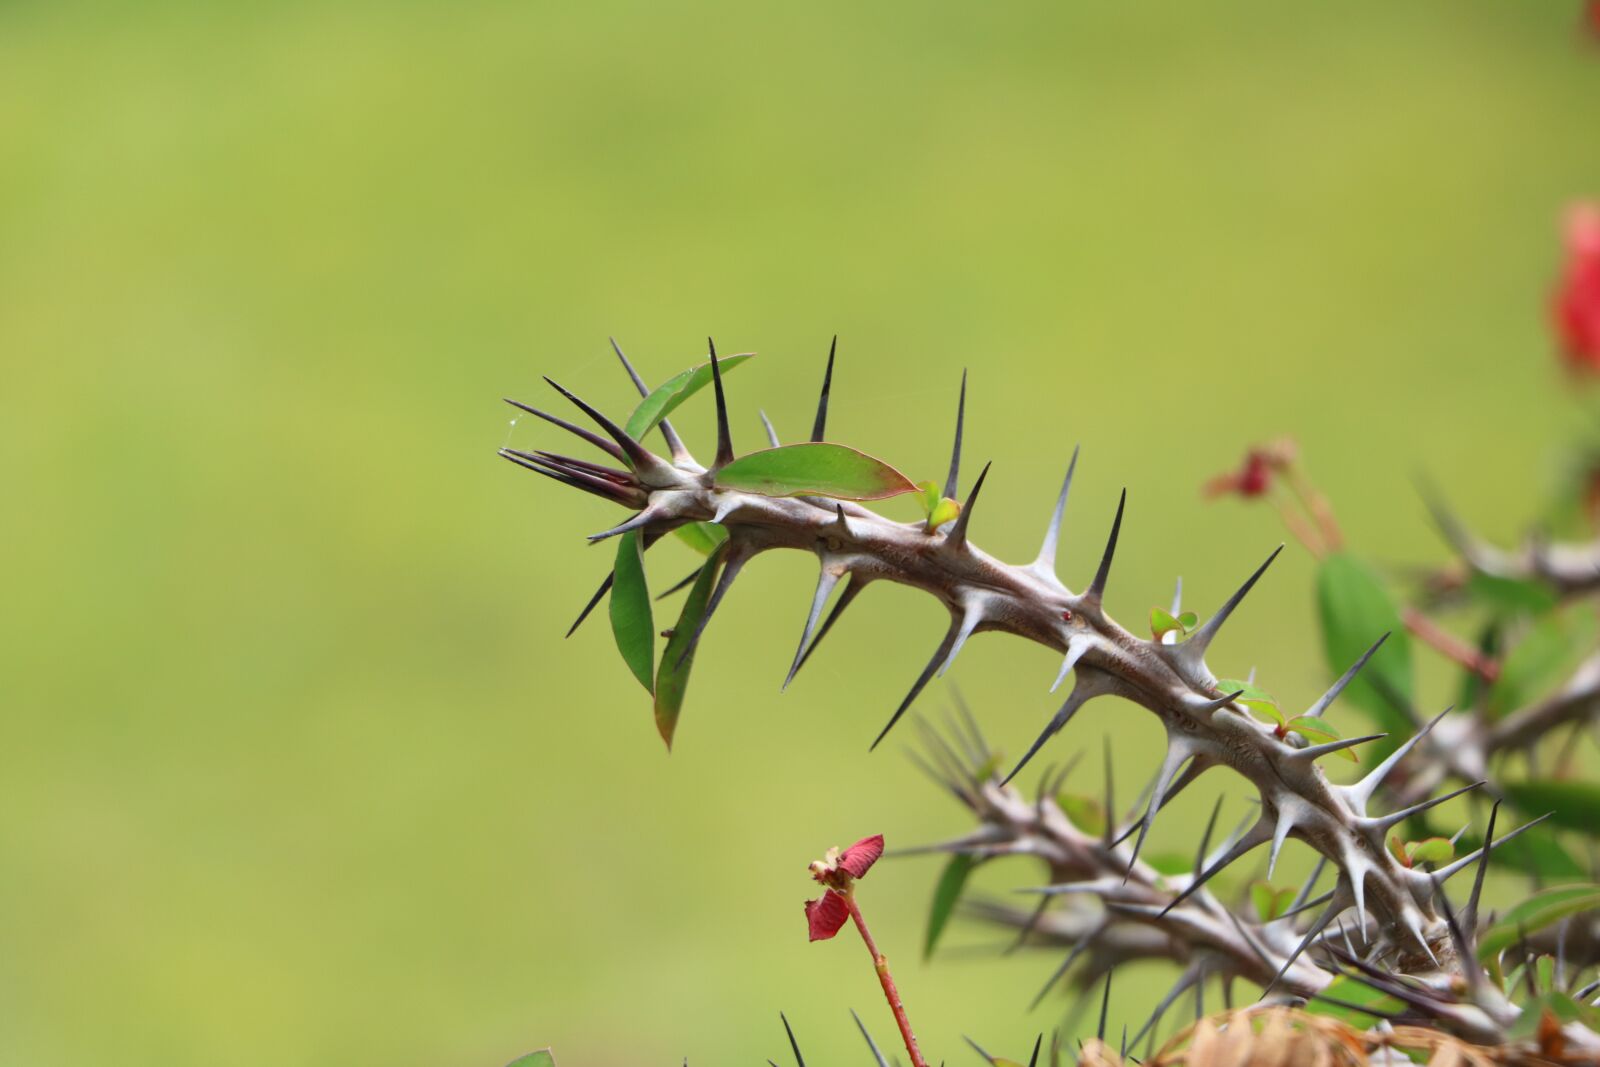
<point x="890" y="993"/>
<point x="1449" y="646"/>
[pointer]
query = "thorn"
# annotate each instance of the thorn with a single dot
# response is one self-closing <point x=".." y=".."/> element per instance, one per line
<point x="852" y="589"/>
<point x="1033" y="1061"/>
<point x="1310" y="884"/>
<point x="1312" y="753"/>
<point x="1321" y="923"/>
<point x="1385" y="822"/>
<point x="939" y="655"/>
<point x="1097" y="588"/>
<point x="1205" y="845"/>
<point x="955" y="452"/>
<point x="877" y="1054"/>
<point x="766" y="424"/>
<point x="970" y="618"/>
<point x="1081" y="694"/>
<point x="674" y="443"/>
<point x="1177" y="598"/>
<point x="1185" y="980"/>
<point x="587" y="608"/>
<point x="1201" y="639"/>
<point x="1072" y="956"/>
<point x="599" y="487"/>
<point x="734" y="562"/>
<point x="1177" y="753"/>
<point x="644" y="518"/>
<point x="1345" y="679"/>
<point x="1280" y="833"/>
<point x="793" y="1044"/>
<point x="826" y="581"/>
<point x="1358" y="793"/>
<point x="1469" y="917"/>
<point x="1220" y="702"/>
<point x="1046" y="561"/>
<point x="1257" y="835"/>
<point x="957" y="537"/>
<point x="608" y="447"/>
<point x="640" y="458"/>
<point x="1077" y="645"/>
<point x="1105" y="1006"/>
<point x="681" y="584"/>
<point x="724" y="436"/>
<point x="819" y="427"/>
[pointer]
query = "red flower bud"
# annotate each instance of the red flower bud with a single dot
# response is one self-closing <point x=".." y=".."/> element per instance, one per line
<point x="1576" y="306"/>
<point x="1249" y="481"/>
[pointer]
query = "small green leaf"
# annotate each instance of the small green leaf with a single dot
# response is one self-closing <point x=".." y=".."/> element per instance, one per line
<point x="542" y="1058"/>
<point x="946" y="510"/>
<point x="1270" y="902"/>
<point x="1570" y="804"/>
<point x="1355" y="610"/>
<point x="928" y="496"/>
<point x="1251" y="696"/>
<point x="1319" y="732"/>
<point x="672" y="680"/>
<point x="1084" y="812"/>
<point x="1162" y="623"/>
<point x="1437" y="851"/>
<point x="1350" y="991"/>
<point x="945" y="896"/>
<point x="1188" y="620"/>
<point x="631" y="622"/>
<point x="666" y="397"/>
<point x="1541" y="659"/>
<point x="814" y="469"/>
<point x="703" y="537"/>
<point x="1539" y="911"/>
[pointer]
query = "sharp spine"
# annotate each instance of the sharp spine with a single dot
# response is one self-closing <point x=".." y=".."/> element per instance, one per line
<point x="957" y="537"/>
<point x="951" y="479"/>
<point x="724" y="435"/>
<point x="819" y="428"/>
<point x="826" y="581"/>
<point x="766" y="424"/>
<point x="922" y="679"/>
<point x="1097" y="588"/>
<point x="1194" y="648"/>
<point x="680" y="454"/>
<point x="1345" y="679"/>
<point x="1045" y="563"/>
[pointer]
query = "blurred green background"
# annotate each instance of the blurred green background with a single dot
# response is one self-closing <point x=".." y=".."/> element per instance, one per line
<point x="297" y="768"/>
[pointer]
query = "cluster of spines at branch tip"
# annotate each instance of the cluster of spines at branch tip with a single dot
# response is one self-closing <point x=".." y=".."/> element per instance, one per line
<point x="1291" y="955"/>
<point x="1205" y="726"/>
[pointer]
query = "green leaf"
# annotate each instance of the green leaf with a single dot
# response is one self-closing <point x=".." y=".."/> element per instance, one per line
<point x="945" y="896"/>
<point x="1251" y="696"/>
<point x="1540" y="660"/>
<point x="1570" y="804"/>
<point x="1435" y="850"/>
<point x="946" y="510"/>
<point x="1504" y="596"/>
<point x="672" y="679"/>
<point x="928" y="496"/>
<point x="665" y="398"/>
<point x="1539" y="911"/>
<point x="631" y="621"/>
<point x="1534" y="851"/>
<point x="703" y="537"/>
<point x="1355" y="610"/>
<point x="1083" y="812"/>
<point x="1350" y="991"/>
<point x="1188" y="620"/>
<point x="1270" y="902"/>
<point x="542" y="1058"/>
<point x="1319" y="732"/>
<point x="1162" y="623"/>
<point x="814" y="469"/>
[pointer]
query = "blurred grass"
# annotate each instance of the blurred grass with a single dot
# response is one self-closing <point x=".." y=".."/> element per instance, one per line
<point x="296" y="765"/>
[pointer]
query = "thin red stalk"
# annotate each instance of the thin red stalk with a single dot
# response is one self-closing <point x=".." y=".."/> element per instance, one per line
<point x="1450" y="646"/>
<point x="890" y="993"/>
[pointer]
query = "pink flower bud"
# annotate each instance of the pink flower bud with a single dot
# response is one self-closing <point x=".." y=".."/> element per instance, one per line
<point x="1576" y="306"/>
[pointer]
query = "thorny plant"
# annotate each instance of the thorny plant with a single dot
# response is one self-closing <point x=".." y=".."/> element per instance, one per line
<point x="1382" y="945"/>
